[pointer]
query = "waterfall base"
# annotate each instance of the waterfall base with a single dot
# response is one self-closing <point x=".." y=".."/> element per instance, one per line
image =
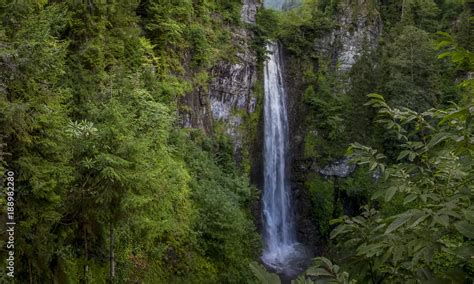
<point x="287" y="260"/>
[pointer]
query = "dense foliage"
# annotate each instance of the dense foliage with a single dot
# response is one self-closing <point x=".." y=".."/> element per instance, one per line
<point x="108" y="188"/>
<point x="111" y="188"/>
<point x="419" y="225"/>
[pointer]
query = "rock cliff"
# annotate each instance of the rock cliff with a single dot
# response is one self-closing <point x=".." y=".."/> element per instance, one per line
<point x="357" y="26"/>
<point x="229" y="95"/>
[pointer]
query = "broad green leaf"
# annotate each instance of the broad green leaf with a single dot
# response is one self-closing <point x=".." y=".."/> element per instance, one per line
<point x="442" y="219"/>
<point x="377" y="194"/>
<point x="465" y="251"/>
<point x="378" y="228"/>
<point x="419" y="220"/>
<point x="376" y="96"/>
<point x="439" y="137"/>
<point x="443" y="44"/>
<point x="373" y="166"/>
<point x="263" y="275"/>
<point x="451" y="213"/>
<point x="444" y="55"/>
<point x="402" y="219"/>
<point x="458" y="114"/>
<point x="469" y="215"/>
<point x="390" y="193"/>
<point x="371" y="249"/>
<point x="403" y="154"/>
<point x="323" y="260"/>
<point x="385" y="256"/>
<point x="338" y="230"/>
<point x="465" y="228"/>
<point x="409" y="198"/>
<point x="318" y="271"/>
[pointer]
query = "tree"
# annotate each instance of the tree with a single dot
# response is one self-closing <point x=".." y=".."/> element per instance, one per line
<point x="364" y="78"/>
<point x="88" y="110"/>
<point x="411" y="70"/>
<point x="33" y="114"/>
<point x="420" y="13"/>
<point x="431" y="236"/>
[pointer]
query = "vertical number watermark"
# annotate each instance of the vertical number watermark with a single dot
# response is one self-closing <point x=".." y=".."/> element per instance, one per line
<point x="10" y="223"/>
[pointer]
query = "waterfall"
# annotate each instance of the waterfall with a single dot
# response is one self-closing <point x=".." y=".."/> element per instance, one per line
<point x="281" y="251"/>
<point x="281" y="4"/>
<point x="279" y="227"/>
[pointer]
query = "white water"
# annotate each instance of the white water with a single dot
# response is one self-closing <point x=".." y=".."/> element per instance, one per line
<point x="280" y="240"/>
<point x="281" y="4"/>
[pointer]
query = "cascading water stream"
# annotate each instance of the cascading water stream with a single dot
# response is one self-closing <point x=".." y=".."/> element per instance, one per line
<point x="281" y="252"/>
<point x="279" y="227"/>
<point x="281" y="4"/>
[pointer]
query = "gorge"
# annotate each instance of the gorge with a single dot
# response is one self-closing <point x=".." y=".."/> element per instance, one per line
<point x="239" y="141"/>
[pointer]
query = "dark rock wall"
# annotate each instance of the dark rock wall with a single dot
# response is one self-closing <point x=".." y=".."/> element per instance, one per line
<point x="356" y="28"/>
<point x="229" y="95"/>
<point x="306" y="231"/>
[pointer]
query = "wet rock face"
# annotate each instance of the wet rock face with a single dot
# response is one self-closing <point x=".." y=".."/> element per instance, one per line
<point x="230" y="91"/>
<point x="293" y="81"/>
<point x="358" y="27"/>
<point x="248" y="13"/>
<point x="229" y="94"/>
<point x="199" y="114"/>
<point x="341" y="168"/>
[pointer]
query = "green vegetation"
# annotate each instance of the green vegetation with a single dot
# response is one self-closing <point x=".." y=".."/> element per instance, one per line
<point x="108" y="188"/>
<point x="111" y="189"/>
<point x="322" y="270"/>
<point x="429" y="235"/>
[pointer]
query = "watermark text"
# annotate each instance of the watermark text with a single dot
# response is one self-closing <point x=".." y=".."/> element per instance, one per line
<point x="10" y="223"/>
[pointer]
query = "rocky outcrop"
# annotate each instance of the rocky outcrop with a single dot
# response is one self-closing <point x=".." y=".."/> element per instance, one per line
<point x="248" y="13"/>
<point x="230" y="92"/>
<point x="195" y="110"/>
<point x="358" y="26"/>
<point x="229" y="95"/>
<point x="341" y="168"/>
